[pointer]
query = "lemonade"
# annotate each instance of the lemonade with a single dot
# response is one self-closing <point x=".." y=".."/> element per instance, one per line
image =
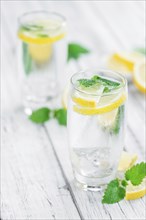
<point x="42" y="56"/>
<point x="96" y="126"/>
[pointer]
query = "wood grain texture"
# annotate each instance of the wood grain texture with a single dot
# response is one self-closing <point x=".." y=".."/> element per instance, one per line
<point x="32" y="185"/>
<point x="36" y="173"/>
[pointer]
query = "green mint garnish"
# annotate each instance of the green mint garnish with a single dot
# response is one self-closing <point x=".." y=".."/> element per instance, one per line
<point x="114" y="192"/>
<point x="118" y="120"/>
<point x="30" y="27"/>
<point x="44" y="114"/>
<point x="61" y="116"/>
<point x="75" y="51"/>
<point x="136" y="174"/>
<point x="40" y="116"/>
<point x="86" y="82"/>
<point x="24" y="28"/>
<point x="141" y="50"/>
<point x="108" y="84"/>
<point x="116" y="189"/>
<point x="124" y="183"/>
<point x="27" y="61"/>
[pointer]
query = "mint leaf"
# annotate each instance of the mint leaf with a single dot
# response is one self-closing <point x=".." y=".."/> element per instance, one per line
<point x="136" y="174"/>
<point x="86" y="82"/>
<point x="27" y="61"/>
<point x="124" y="183"/>
<point x="75" y="51"/>
<point x="61" y="116"/>
<point x="40" y="116"/>
<point x="141" y="50"/>
<point x="118" y="120"/>
<point x="31" y="27"/>
<point x="109" y="84"/>
<point x="114" y="192"/>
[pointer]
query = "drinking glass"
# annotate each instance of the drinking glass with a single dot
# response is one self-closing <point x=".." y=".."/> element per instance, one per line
<point x="96" y="126"/>
<point x="41" y="56"/>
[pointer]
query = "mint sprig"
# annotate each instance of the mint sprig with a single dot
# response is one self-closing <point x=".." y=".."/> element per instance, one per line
<point x="44" y="114"/>
<point x="98" y="80"/>
<point x="40" y="116"/>
<point x="108" y="84"/>
<point x="119" y="117"/>
<point x="76" y="50"/>
<point x="86" y="82"/>
<point x="114" y="192"/>
<point x="27" y="60"/>
<point x="136" y="174"/>
<point x="61" y="116"/>
<point x="116" y="189"/>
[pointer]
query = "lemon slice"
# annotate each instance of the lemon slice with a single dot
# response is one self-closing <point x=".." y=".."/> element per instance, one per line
<point x="108" y="119"/>
<point x="124" y="62"/>
<point x="39" y="40"/>
<point x="135" y="192"/>
<point x="139" y="76"/>
<point x="84" y="102"/>
<point x="106" y="104"/>
<point x="127" y="160"/>
<point x="40" y="53"/>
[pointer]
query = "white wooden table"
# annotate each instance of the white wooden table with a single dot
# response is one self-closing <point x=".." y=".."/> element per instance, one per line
<point x="36" y="174"/>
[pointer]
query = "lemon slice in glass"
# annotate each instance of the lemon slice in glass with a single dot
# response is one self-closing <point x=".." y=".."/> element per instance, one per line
<point x="105" y="104"/>
<point x="135" y="192"/>
<point x="40" y="53"/>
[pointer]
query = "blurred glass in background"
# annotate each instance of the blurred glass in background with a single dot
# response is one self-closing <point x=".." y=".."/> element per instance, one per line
<point x="41" y="57"/>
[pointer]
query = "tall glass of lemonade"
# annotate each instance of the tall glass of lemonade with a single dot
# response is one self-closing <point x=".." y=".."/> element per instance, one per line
<point x="41" y="56"/>
<point x="96" y="126"/>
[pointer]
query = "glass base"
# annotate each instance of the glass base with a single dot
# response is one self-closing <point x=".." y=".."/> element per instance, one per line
<point x="92" y="184"/>
<point x="86" y="187"/>
<point x="30" y="104"/>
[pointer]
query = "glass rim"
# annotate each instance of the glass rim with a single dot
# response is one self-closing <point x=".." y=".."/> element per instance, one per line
<point x="124" y="82"/>
<point x="19" y="19"/>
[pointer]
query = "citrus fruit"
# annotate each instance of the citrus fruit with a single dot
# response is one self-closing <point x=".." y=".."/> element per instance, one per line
<point x="124" y="62"/>
<point x="108" y="118"/>
<point x="135" y="192"/>
<point x="127" y="160"/>
<point x="105" y="104"/>
<point x="39" y="40"/>
<point x="139" y="76"/>
<point x="40" y="53"/>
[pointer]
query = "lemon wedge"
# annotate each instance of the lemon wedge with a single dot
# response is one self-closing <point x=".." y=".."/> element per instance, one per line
<point x="108" y="118"/>
<point x="40" y="53"/>
<point x="135" y="192"/>
<point x="123" y="62"/>
<point x="139" y="76"/>
<point x="127" y="160"/>
<point x="105" y="104"/>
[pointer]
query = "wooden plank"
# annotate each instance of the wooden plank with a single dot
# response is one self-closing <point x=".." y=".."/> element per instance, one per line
<point x="32" y="185"/>
<point x="89" y="203"/>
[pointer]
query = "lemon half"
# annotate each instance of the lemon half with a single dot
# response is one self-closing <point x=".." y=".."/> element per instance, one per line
<point x="139" y="76"/>
<point x="135" y="192"/>
<point x="124" y="62"/>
